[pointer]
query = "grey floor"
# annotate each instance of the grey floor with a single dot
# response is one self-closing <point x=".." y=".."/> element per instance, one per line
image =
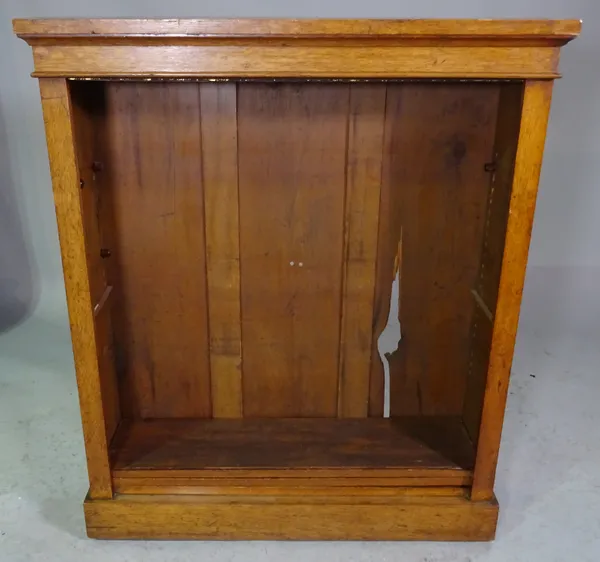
<point x="548" y="480"/>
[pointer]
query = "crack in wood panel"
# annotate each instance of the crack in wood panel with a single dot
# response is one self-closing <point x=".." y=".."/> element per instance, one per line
<point x="438" y="139"/>
<point x="364" y="157"/>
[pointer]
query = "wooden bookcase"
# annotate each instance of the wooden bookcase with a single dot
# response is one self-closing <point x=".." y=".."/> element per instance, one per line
<point x="234" y="200"/>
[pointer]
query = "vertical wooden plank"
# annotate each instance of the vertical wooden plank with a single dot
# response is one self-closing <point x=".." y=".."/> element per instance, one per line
<point x="530" y="148"/>
<point x="65" y="182"/>
<point x="481" y="341"/>
<point x="88" y="118"/>
<point x="388" y="237"/>
<point x="505" y="151"/>
<point x="441" y="136"/>
<point x="84" y="115"/>
<point x="220" y="175"/>
<point x="107" y="363"/>
<point x="292" y="167"/>
<point x="365" y="148"/>
<point x="157" y="205"/>
<point x="486" y="288"/>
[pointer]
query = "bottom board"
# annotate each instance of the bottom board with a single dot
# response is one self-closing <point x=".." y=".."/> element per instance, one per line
<point x="307" y="446"/>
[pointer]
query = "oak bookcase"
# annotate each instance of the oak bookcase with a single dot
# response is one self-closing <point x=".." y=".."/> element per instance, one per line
<point x="235" y="201"/>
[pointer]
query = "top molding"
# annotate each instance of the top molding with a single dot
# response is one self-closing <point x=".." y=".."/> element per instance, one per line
<point x="555" y="31"/>
<point x="289" y="48"/>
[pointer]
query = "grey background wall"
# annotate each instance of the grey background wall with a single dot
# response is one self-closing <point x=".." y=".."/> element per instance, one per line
<point x="567" y="226"/>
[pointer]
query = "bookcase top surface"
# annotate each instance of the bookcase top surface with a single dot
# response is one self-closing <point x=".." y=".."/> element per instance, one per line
<point x="296" y="48"/>
<point x="552" y="30"/>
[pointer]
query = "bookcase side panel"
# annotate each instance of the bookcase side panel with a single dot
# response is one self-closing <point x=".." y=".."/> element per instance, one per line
<point x="56" y="106"/>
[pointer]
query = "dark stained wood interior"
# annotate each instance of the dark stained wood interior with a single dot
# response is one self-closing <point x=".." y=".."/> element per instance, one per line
<point x="253" y="230"/>
<point x="153" y="159"/>
<point x="292" y="143"/>
<point x="485" y="290"/>
<point x="366" y="133"/>
<point x="88" y="109"/>
<point x="218" y="108"/>
<point x="481" y="341"/>
<point x="415" y="444"/>
<point x="439" y="138"/>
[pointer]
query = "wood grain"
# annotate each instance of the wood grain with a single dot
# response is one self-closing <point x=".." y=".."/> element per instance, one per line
<point x="298" y="28"/>
<point x="296" y="486"/>
<point x="65" y="182"/>
<point x="388" y="238"/>
<point x="530" y="148"/>
<point x="109" y="383"/>
<point x="220" y="176"/>
<point x="480" y="345"/>
<point x="440" y="137"/>
<point x="154" y="160"/>
<point x="292" y="167"/>
<point x="505" y="150"/>
<point x="486" y="287"/>
<point x="276" y="517"/>
<point x="251" y="232"/>
<point x="172" y="61"/>
<point x="88" y="110"/>
<point x="396" y="476"/>
<point x="363" y="182"/>
<point x="409" y="446"/>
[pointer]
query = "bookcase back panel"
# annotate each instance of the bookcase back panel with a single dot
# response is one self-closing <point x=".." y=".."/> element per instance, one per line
<point x="255" y="230"/>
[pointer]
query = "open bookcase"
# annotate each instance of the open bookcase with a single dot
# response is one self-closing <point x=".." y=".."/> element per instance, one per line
<point x="294" y="254"/>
